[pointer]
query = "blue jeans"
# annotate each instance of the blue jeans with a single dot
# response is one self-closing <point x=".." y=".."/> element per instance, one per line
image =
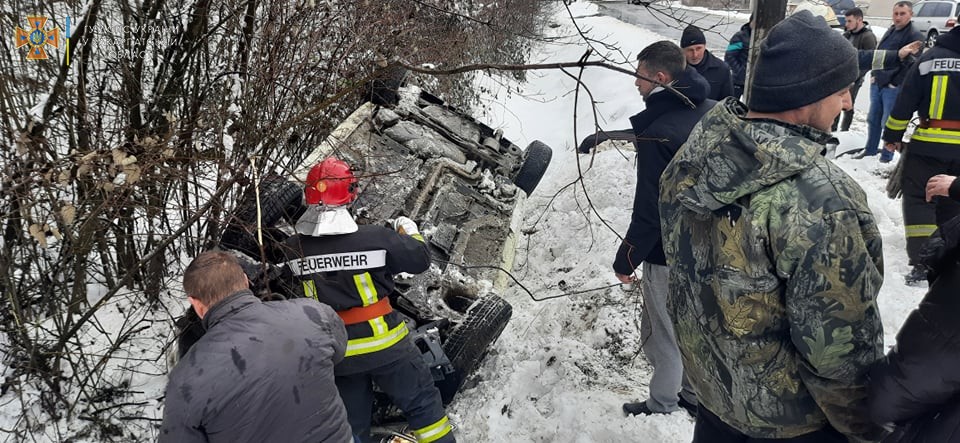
<point x="881" y="103"/>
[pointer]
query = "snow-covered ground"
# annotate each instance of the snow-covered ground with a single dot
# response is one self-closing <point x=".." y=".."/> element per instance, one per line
<point x="563" y="367"/>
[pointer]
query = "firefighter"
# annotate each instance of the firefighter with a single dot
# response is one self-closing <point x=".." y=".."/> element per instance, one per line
<point x="932" y="89"/>
<point x="351" y="268"/>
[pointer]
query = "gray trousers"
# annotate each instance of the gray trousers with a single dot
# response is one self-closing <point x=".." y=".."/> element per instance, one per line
<point x="660" y="343"/>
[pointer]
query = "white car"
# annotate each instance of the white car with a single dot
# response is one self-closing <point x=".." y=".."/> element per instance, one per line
<point x="935" y="17"/>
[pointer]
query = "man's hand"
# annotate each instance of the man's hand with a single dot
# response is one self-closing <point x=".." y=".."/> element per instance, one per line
<point x="405" y="226"/>
<point x="893" y="147"/>
<point x="625" y="279"/>
<point x="939" y="185"/>
<point x="910" y="48"/>
<point x="591" y="141"/>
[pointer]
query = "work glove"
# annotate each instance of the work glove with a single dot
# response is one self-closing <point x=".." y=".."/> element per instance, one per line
<point x="405" y="226"/>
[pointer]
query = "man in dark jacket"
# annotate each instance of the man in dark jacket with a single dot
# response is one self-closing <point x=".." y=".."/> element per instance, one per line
<point x="929" y="89"/>
<point x="717" y="73"/>
<point x="660" y="130"/>
<point x="351" y="268"/>
<point x="885" y="83"/>
<point x="917" y="385"/>
<point x="261" y="372"/>
<point x="862" y="38"/>
<point x="736" y="56"/>
<point x="775" y="258"/>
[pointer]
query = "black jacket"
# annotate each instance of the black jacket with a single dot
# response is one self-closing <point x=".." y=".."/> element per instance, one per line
<point x="717" y="74"/>
<point x="357" y="269"/>
<point x="893" y="40"/>
<point x="660" y="129"/>
<point x="917" y="385"/>
<point x="262" y="372"/>
<point x="862" y="40"/>
<point x="932" y="90"/>
<point x="738" y="51"/>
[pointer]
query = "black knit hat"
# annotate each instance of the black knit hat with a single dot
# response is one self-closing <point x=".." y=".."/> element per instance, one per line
<point x="692" y="35"/>
<point x="801" y="62"/>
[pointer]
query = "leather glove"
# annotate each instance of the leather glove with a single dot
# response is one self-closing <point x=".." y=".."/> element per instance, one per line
<point x="591" y="141"/>
<point x="404" y="225"/>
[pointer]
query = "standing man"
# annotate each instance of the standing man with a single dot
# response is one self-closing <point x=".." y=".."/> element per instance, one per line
<point x="351" y="268"/>
<point x="884" y="83"/>
<point x="717" y="73"/>
<point x="659" y="131"/>
<point x="775" y="259"/>
<point x="261" y="372"/>
<point x="931" y="90"/>
<point x="738" y="52"/>
<point x="862" y="39"/>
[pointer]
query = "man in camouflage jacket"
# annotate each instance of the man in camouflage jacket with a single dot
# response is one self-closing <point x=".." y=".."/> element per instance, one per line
<point x="775" y="259"/>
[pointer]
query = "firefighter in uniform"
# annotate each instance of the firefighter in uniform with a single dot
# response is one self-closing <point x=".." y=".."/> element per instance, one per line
<point x="932" y="89"/>
<point x="351" y="268"/>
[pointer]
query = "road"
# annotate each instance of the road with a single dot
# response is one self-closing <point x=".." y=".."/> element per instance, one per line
<point x="669" y="22"/>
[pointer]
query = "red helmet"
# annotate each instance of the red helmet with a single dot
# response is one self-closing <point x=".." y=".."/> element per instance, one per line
<point x="331" y="183"/>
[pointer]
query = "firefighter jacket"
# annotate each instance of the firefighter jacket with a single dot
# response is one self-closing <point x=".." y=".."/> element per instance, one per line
<point x="356" y="270"/>
<point x="932" y="90"/>
<point x="775" y="265"/>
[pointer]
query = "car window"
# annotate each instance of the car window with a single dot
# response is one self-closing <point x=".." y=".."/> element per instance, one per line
<point x="944" y="10"/>
<point x="925" y="9"/>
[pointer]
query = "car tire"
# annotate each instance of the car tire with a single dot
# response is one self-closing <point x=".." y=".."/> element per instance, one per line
<point x="280" y="199"/>
<point x="931" y="38"/>
<point x="536" y="159"/>
<point x="468" y="342"/>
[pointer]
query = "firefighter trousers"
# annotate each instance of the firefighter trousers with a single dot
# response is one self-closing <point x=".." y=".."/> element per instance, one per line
<point x="920" y="218"/>
<point x="409" y="385"/>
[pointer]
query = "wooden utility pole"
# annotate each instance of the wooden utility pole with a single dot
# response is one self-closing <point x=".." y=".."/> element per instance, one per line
<point x="766" y="13"/>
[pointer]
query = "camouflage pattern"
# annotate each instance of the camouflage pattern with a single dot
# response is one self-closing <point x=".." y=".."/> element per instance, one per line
<point x="775" y="267"/>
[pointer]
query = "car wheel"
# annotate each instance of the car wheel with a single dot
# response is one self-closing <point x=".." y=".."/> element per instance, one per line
<point x="536" y="159"/>
<point x="280" y="199"/>
<point x="931" y="38"/>
<point x="468" y="342"/>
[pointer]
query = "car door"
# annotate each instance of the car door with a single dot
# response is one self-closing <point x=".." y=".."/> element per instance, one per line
<point x="921" y="16"/>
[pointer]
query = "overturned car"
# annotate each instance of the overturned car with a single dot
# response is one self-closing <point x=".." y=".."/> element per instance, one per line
<point x="460" y="180"/>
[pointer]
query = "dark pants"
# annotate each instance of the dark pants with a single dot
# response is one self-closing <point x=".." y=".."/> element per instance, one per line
<point x="410" y="386"/>
<point x="711" y="429"/>
<point x="919" y="217"/>
<point x="737" y="91"/>
<point x="846" y="117"/>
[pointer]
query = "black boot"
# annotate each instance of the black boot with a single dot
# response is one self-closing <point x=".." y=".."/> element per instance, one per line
<point x="917" y="276"/>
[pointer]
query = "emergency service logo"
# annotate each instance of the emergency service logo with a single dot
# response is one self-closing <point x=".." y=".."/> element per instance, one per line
<point x="37" y="38"/>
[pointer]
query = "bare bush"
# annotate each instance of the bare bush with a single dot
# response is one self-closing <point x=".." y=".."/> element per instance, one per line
<point x="121" y="164"/>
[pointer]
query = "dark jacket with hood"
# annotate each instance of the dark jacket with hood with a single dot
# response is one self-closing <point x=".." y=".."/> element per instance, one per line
<point x="917" y="385"/>
<point x="717" y="74"/>
<point x="775" y="265"/>
<point x="893" y="40"/>
<point x="932" y="90"/>
<point x="738" y="51"/>
<point x="862" y="40"/>
<point x="262" y="372"/>
<point x="660" y="130"/>
<point x="352" y="270"/>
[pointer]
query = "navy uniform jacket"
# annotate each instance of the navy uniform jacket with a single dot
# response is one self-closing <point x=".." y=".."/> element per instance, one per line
<point x="357" y="269"/>
<point x="932" y="90"/>
<point x="717" y="74"/>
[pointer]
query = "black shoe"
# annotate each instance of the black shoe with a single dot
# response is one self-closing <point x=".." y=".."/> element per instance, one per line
<point x="917" y="276"/>
<point x="637" y="408"/>
<point x="689" y="407"/>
